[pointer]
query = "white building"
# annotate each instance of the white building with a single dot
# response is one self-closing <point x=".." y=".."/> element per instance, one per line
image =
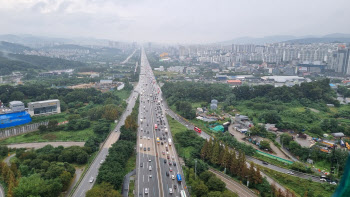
<point x="44" y="107"/>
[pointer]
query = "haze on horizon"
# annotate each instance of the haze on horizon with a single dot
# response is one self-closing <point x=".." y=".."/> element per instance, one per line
<point x="174" y="21"/>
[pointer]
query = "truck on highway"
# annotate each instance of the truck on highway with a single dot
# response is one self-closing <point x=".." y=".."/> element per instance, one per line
<point x="169" y="141"/>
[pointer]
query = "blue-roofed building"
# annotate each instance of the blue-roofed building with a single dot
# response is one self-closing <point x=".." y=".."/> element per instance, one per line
<point x="14" y="119"/>
<point x="332" y="86"/>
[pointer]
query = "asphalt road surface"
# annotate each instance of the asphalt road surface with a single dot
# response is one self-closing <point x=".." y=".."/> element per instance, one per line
<point x="157" y="160"/>
<point x="92" y="172"/>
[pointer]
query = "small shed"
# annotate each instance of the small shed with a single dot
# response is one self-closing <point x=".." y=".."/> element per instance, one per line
<point x="213" y="106"/>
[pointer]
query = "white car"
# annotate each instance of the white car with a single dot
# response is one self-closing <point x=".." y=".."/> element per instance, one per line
<point x="170" y="190"/>
<point x="150" y="176"/>
<point x="149" y="160"/>
<point x="149" y="138"/>
<point x="291" y="173"/>
<point x="101" y="161"/>
<point x="91" y="179"/>
<point x="173" y="177"/>
<point x="146" y="190"/>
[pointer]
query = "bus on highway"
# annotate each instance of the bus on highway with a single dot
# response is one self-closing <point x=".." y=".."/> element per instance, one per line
<point x="198" y="130"/>
<point x="183" y="193"/>
<point x="179" y="177"/>
<point x="158" y="141"/>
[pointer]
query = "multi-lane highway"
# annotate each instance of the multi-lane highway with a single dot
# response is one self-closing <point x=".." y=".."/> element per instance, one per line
<point x="158" y="169"/>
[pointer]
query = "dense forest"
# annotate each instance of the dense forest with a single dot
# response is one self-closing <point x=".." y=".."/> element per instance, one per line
<point x="305" y="92"/>
<point x="44" y="172"/>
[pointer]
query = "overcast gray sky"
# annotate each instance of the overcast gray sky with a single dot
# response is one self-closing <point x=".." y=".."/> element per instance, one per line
<point x="193" y="21"/>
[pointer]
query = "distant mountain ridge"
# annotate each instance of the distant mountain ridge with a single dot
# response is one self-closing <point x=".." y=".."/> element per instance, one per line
<point x="336" y="37"/>
<point x="43" y="41"/>
<point x="12" y="47"/>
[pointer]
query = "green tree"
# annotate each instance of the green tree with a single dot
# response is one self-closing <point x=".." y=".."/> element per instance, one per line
<point x="216" y="153"/>
<point x="200" y="189"/>
<point x="31" y="185"/>
<point x="65" y="180"/>
<point x="264" y="144"/>
<point x="17" y="96"/>
<point x="82" y="157"/>
<point x="215" y="184"/>
<point x="103" y="190"/>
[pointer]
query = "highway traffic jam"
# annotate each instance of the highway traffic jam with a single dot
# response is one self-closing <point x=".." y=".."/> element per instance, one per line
<point x="158" y="171"/>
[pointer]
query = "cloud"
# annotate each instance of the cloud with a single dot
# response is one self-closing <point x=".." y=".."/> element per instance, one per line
<point x="173" y="20"/>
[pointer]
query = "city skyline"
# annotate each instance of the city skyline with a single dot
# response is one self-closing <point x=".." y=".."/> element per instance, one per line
<point x="173" y="21"/>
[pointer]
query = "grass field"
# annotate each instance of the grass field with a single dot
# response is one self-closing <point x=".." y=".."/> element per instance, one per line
<point x="81" y="135"/>
<point x="175" y="126"/>
<point x="299" y="185"/>
<point x="131" y="163"/>
<point x="122" y="94"/>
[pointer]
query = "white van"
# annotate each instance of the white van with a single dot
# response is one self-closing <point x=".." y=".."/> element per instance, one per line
<point x="150" y="168"/>
<point x="140" y="146"/>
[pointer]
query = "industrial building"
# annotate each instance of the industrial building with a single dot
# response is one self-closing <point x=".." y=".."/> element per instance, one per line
<point x="44" y="107"/>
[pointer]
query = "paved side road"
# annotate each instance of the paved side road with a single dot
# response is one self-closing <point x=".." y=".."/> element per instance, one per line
<point x="2" y="191"/>
<point x="42" y="144"/>
<point x="233" y="186"/>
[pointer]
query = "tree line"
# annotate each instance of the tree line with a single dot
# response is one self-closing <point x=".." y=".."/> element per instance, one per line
<point x="112" y="171"/>
<point x="220" y="156"/>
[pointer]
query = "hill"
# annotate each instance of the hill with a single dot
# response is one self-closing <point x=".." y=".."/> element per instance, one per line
<point x="19" y="62"/>
<point x="12" y="47"/>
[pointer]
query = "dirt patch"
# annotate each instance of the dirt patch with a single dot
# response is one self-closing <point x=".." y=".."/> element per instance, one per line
<point x="50" y="136"/>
